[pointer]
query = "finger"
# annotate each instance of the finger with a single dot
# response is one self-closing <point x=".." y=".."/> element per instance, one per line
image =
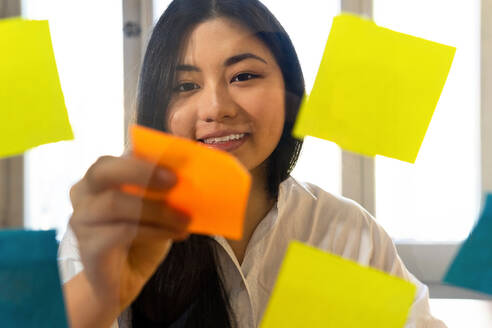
<point x="77" y="191"/>
<point x="147" y="233"/>
<point x="125" y="233"/>
<point x="113" y="172"/>
<point x="140" y="232"/>
<point x="113" y="205"/>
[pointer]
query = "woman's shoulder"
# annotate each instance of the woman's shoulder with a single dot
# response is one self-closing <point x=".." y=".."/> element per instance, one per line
<point x="316" y="201"/>
<point x="334" y="223"/>
<point x="343" y="227"/>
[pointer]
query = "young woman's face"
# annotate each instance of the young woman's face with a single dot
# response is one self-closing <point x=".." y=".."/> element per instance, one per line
<point x="229" y="93"/>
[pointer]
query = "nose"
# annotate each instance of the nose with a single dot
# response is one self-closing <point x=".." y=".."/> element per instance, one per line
<point x="216" y="104"/>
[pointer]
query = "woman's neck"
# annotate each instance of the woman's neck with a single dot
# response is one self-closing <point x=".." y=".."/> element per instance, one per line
<point x="259" y="204"/>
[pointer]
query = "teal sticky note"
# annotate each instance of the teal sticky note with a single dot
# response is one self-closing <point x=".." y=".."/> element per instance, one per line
<point x="30" y="288"/>
<point x="472" y="267"/>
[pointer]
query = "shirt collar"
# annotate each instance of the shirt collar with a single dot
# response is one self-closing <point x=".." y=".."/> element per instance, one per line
<point x="265" y="225"/>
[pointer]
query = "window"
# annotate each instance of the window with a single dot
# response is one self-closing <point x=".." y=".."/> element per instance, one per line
<point x="438" y="198"/>
<point x="88" y="46"/>
<point x="435" y="200"/>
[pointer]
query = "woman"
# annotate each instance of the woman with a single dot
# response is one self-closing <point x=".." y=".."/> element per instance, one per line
<point x="225" y="73"/>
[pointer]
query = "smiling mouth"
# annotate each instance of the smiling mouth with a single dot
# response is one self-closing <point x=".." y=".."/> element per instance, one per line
<point x="226" y="143"/>
<point x="213" y="140"/>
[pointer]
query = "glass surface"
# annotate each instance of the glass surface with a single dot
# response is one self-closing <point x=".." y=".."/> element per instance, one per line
<point x="438" y="198"/>
<point x="308" y="27"/>
<point x="88" y="44"/>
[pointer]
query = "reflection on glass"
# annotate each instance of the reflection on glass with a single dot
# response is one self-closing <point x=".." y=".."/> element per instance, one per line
<point x="87" y="42"/>
<point x="438" y="198"/>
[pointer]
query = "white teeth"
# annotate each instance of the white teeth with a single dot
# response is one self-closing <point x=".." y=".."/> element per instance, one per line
<point x="223" y="139"/>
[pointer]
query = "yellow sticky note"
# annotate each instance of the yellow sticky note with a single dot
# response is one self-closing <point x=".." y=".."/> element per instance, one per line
<point x="376" y="89"/>
<point x="32" y="107"/>
<point x="318" y="289"/>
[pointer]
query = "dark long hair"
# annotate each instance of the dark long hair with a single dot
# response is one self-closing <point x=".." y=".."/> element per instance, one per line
<point x="187" y="289"/>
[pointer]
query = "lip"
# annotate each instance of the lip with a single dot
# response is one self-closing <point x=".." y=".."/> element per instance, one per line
<point x="228" y="145"/>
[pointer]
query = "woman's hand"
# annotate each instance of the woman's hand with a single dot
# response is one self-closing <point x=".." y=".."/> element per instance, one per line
<point x="123" y="238"/>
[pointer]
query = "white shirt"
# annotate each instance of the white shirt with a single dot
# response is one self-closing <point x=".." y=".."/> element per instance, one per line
<point x="311" y="215"/>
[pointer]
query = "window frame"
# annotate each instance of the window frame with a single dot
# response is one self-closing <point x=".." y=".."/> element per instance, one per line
<point x="136" y="13"/>
<point x="12" y="168"/>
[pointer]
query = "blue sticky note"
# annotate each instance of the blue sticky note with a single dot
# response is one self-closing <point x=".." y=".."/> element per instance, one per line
<point x="30" y="288"/>
<point x="472" y="267"/>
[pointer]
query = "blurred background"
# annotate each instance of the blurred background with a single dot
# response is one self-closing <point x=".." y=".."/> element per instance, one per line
<point x="428" y="208"/>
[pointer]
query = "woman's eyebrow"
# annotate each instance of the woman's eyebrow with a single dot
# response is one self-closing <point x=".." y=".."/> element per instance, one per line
<point x="229" y="61"/>
<point x="237" y="58"/>
<point x="187" y="68"/>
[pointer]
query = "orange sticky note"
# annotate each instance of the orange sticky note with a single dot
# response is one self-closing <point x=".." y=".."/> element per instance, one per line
<point x="213" y="186"/>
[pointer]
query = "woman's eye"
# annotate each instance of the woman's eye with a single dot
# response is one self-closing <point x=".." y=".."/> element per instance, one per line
<point x="243" y="77"/>
<point x="188" y="86"/>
